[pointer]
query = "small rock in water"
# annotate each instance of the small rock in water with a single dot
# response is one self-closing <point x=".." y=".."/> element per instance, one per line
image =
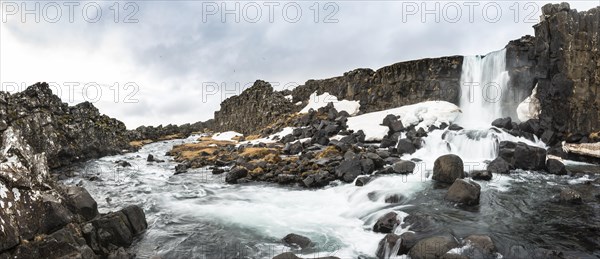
<point x="386" y="245"/>
<point x="386" y="223"/>
<point x="151" y="158"/>
<point x="504" y="123"/>
<point x="296" y="240"/>
<point x="235" y="174"/>
<point x="362" y="181"/>
<point x="483" y="245"/>
<point x="448" y="168"/>
<point x="403" y="167"/>
<point x="464" y="192"/>
<point x="433" y="247"/>
<point x="556" y="167"/>
<point x="181" y="168"/>
<point x="499" y="166"/>
<point x="484" y="175"/>
<point x="123" y="163"/>
<point x="394" y="198"/>
<point x="570" y="196"/>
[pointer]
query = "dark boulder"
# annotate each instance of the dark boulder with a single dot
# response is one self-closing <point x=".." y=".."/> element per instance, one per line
<point x="504" y="123"/>
<point x="405" y="146"/>
<point x="295" y="240"/>
<point x="317" y="180"/>
<point x="349" y="169"/>
<point x="181" y="168"/>
<point x="386" y="245"/>
<point x="386" y="223"/>
<point x="235" y="174"/>
<point x="137" y="219"/>
<point x="464" y="192"/>
<point x="482" y="246"/>
<point x="448" y="168"/>
<point x="362" y="181"/>
<point x="570" y="196"/>
<point x="529" y="157"/>
<point x="433" y="247"/>
<point x="484" y="175"/>
<point x="81" y="202"/>
<point x="555" y="167"/>
<point x="394" y="198"/>
<point x="388" y="141"/>
<point x="499" y="166"/>
<point x="403" y="167"/>
<point x="113" y="229"/>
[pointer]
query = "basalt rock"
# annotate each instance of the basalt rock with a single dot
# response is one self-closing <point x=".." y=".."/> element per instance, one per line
<point x="43" y="219"/>
<point x="448" y="168"/>
<point x="66" y="134"/>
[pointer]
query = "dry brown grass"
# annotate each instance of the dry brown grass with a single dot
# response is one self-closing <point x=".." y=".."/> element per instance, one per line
<point x="329" y="152"/>
<point x="205" y="149"/>
<point x="252" y="137"/>
<point x="257" y="171"/>
<point x="257" y="152"/>
<point x="139" y="143"/>
<point x="595" y="136"/>
<point x="170" y="137"/>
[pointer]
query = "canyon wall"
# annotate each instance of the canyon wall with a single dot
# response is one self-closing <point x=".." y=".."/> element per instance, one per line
<point x="64" y="133"/>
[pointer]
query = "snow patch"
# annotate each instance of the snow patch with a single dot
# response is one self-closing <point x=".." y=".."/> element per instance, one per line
<point x="530" y="107"/>
<point x="272" y="138"/>
<point x="317" y="101"/>
<point x="422" y="115"/>
<point x="226" y="136"/>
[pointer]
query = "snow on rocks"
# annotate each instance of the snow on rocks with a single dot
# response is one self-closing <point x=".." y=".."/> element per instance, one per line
<point x="529" y="108"/>
<point x="317" y="101"/>
<point x="226" y="136"/>
<point x="421" y="115"/>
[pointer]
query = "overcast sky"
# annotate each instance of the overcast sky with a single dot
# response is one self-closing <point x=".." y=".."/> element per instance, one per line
<point x="158" y="62"/>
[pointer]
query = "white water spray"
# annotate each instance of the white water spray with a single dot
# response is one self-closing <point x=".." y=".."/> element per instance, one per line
<point x="484" y="89"/>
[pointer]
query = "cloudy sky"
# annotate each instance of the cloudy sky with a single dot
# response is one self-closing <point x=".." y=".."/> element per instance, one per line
<point x="159" y="62"/>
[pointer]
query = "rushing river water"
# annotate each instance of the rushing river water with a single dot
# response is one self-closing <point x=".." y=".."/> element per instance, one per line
<point x="197" y="215"/>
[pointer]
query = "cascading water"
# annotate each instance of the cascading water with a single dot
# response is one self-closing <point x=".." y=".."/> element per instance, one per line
<point x="197" y="215"/>
<point x="484" y="90"/>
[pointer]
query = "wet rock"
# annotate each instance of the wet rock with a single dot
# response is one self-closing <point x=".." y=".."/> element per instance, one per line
<point x="151" y="158"/>
<point x="394" y="198"/>
<point x="362" y="181"/>
<point x="484" y="175"/>
<point x="483" y="246"/>
<point x="295" y="240"/>
<point x="409" y="240"/>
<point x="235" y="174"/>
<point x="387" y="141"/>
<point x="570" y="196"/>
<point x="405" y="146"/>
<point x="556" y="167"/>
<point x="504" y="123"/>
<point x="113" y="229"/>
<point x="403" y="167"/>
<point x="386" y="245"/>
<point x="286" y="255"/>
<point x="136" y="218"/>
<point x="386" y="223"/>
<point x="349" y="169"/>
<point x="529" y="157"/>
<point x="122" y="163"/>
<point x="454" y="127"/>
<point x="217" y="170"/>
<point x="286" y="178"/>
<point x="433" y="247"/>
<point x="81" y="202"/>
<point x="448" y="168"/>
<point x="181" y="168"/>
<point x="317" y="180"/>
<point x="499" y="166"/>
<point x="367" y="165"/>
<point x="464" y="192"/>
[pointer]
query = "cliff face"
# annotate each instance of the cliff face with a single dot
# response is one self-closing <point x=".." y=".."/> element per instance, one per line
<point x="252" y="110"/>
<point x="65" y="133"/>
<point x="564" y="60"/>
<point x="392" y="86"/>
<point x="567" y="49"/>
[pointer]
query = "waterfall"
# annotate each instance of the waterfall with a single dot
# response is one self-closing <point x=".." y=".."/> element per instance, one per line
<point x="484" y="90"/>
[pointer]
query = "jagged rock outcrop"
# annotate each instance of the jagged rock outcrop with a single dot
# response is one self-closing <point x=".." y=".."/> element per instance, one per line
<point x="40" y="218"/>
<point x="563" y="59"/>
<point x="389" y="87"/>
<point x="392" y="86"/>
<point x="169" y="131"/>
<point x="64" y="133"/>
<point x="252" y="110"/>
